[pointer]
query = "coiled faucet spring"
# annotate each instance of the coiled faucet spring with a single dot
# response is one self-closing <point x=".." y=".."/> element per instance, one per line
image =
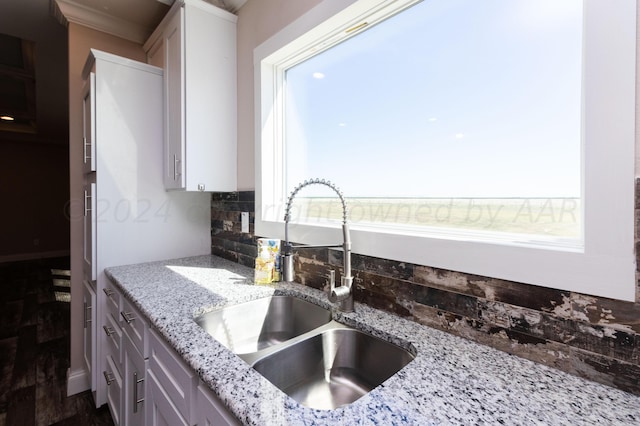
<point x="341" y="294"/>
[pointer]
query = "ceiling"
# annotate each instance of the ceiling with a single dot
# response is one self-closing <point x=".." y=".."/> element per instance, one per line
<point x="144" y="13"/>
<point x="39" y="21"/>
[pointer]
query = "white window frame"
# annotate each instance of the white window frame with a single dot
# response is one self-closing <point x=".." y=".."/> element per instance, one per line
<point x="604" y="265"/>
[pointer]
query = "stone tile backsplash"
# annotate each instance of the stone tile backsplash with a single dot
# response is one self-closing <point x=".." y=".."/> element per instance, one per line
<point x="592" y="337"/>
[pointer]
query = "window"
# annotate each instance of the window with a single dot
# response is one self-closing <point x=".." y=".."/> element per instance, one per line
<point x="493" y="138"/>
<point x="458" y="114"/>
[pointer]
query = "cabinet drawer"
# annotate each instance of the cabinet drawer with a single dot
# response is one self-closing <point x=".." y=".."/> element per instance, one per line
<point x="135" y="326"/>
<point x="114" y="389"/>
<point x="173" y="375"/>
<point x="112" y="299"/>
<point x="113" y="332"/>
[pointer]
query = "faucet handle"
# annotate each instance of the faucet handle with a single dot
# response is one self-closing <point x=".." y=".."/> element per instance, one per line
<point x="337" y="294"/>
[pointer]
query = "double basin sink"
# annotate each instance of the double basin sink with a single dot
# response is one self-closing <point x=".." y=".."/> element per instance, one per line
<point x="296" y="345"/>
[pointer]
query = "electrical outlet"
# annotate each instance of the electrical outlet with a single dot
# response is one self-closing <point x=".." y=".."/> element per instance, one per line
<point x="244" y="216"/>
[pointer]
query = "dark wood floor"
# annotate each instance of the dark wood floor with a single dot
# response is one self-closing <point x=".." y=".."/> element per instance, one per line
<point x="34" y="348"/>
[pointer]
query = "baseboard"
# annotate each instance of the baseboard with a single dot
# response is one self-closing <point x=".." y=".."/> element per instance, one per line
<point x="32" y="256"/>
<point x="77" y="381"/>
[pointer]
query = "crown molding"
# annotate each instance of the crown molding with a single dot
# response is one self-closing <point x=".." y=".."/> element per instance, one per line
<point x="66" y="11"/>
<point x="229" y="5"/>
<point x="232" y="6"/>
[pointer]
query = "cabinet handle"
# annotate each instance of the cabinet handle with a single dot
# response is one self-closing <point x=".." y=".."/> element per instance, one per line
<point x="108" y="292"/>
<point x="136" y="401"/>
<point x="87" y="209"/>
<point x="86" y="146"/>
<point x="87" y="317"/>
<point x="128" y="317"/>
<point x="108" y="377"/>
<point x="176" y="160"/>
<point x="108" y="330"/>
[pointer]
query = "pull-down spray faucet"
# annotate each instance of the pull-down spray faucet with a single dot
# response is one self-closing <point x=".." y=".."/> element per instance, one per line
<point x="342" y="294"/>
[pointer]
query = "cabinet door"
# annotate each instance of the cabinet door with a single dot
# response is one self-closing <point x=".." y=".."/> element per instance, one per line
<point x="114" y="383"/>
<point x="134" y="387"/>
<point x="90" y="265"/>
<point x="88" y="125"/>
<point x="211" y="412"/>
<point x="210" y="90"/>
<point x="197" y="48"/>
<point x="173" y="375"/>
<point x="174" y="102"/>
<point x="160" y="411"/>
<point x="89" y="340"/>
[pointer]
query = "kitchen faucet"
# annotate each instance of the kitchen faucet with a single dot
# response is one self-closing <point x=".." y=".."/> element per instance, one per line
<point x="341" y="295"/>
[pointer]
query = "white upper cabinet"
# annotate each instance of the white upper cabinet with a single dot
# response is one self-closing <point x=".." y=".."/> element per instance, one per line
<point x="88" y="121"/>
<point x="196" y="45"/>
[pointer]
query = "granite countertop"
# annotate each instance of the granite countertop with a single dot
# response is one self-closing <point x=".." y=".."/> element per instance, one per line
<point x="451" y="381"/>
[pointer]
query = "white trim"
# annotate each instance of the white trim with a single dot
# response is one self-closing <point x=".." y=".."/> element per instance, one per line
<point x="66" y="11"/>
<point x="604" y="266"/>
<point x="177" y="5"/>
<point x="115" y="59"/>
<point x="211" y="8"/>
<point x="230" y="5"/>
<point x="77" y="381"/>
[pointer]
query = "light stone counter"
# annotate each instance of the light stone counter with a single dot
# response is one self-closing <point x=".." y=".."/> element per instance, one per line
<point x="452" y="381"/>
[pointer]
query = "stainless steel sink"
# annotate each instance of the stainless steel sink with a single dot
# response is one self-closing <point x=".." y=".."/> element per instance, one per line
<point x="253" y="326"/>
<point x="318" y="362"/>
<point x="332" y="368"/>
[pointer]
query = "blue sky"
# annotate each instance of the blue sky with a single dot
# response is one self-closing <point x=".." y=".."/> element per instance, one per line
<point x="452" y="98"/>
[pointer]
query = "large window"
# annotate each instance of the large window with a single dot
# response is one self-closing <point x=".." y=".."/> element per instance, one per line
<point x="491" y="137"/>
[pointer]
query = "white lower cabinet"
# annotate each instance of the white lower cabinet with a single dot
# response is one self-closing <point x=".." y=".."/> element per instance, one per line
<point x="179" y="397"/>
<point x="172" y="384"/>
<point x="125" y="356"/>
<point x="160" y="409"/>
<point x="89" y="324"/>
<point x="135" y="369"/>
<point x="112" y="356"/>
<point x="114" y="390"/>
<point x="210" y="411"/>
<point x="148" y="383"/>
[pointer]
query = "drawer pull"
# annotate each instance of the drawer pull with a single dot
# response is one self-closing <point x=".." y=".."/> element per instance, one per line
<point x="176" y="161"/>
<point x="108" y="330"/>
<point x="136" y="401"/>
<point x="87" y="201"/>
<point x="87" y="315"/>
<point x="108" y="377"/>
<point x="108" y="292"/>
<point x="127" y="316"/>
